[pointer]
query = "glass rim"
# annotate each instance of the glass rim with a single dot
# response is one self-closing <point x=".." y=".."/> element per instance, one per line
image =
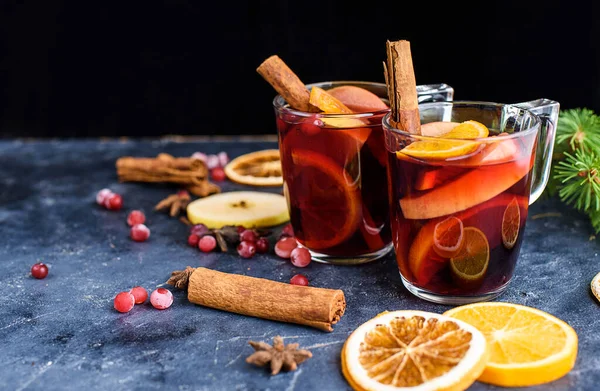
<point x="280" y="104"/>
<point x="385" y="122"/>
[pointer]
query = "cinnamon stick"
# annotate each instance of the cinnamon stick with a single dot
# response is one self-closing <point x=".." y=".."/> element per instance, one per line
<point x="286" y="83"/>
<point x="315" y="307"/>
<point x="402" y="87"/>
<point x="183" y="171"/>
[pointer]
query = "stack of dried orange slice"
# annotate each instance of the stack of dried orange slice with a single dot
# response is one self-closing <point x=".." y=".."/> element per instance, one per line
<point x="260" y="168"/>
<point x="503" y="344"/>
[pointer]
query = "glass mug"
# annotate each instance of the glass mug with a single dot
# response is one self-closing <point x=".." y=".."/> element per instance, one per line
<point x="335" y="176"/>
<point x="458" y="216"/>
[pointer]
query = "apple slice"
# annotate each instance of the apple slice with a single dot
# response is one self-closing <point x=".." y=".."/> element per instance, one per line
<point x="358" y="99"/>
<point x="466" y="191"/>
<point x="438" y="128"/>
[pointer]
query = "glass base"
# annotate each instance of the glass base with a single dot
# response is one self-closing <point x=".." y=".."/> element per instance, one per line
<point x="451" y="299"/>
<point x="356" y="260"/>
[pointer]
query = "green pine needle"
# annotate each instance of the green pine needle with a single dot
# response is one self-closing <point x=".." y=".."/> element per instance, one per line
<point x="595" y="220"/>
<point x="579" y="176"/>
<point x="578" y="129"/>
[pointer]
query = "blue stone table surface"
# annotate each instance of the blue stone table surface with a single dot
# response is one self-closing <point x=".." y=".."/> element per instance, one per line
<point x="63" y="333"/>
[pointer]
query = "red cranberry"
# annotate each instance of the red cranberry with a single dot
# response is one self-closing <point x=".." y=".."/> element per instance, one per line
<point x="140" y="294"/>
<point x="248" y="235"/>
<point x="217" y="174"/>
<point x="140" y="233"/>
<point x="199" y="230"/>
<point x="39" y="271"/>
<point x="223" y="159"/>
<point x="300" y="257"/>
<point x="183" y="193"/>
<point x="161" y="298"/>
<point x="262" y="245"/>
<point x="207" y="243"/>
<point x="200" y="156"/>
<point x="113" y="202"/>
<point x="102" y="195"/>
<point x="284" y="247"/>
<point x="246" y="249"/>
<point x="287" y="231"/>
<point x="212" y="161"/>
<point x="311" y="126"/>
<point x="124" y="302"/>
<point x="136" y="217"/>
<point x="240" y="229"/>
<point x="193" y="240"/>
<point x="299" y="279"/>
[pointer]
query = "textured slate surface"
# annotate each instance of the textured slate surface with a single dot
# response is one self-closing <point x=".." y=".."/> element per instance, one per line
<point x="62" y="332"/>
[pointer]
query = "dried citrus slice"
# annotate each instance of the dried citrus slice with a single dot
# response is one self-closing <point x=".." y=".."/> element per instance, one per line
<point x="527" y="346"/>
<point x="595" y="285"/>
<point x="438" y="149"/>
<point x="260" y="168"/>
<point x="448" y="237"/>
<point x="413" y="350"/>
<point x="334" y="200"/>
<point x="468" y="130"/>
<point x="511" y="222"/>
<point x="468" y="267"/>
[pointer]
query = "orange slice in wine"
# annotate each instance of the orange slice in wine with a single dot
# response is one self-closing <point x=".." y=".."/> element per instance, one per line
<point x="331" y="212"/>
<point x="469" y="266"/>
<point x="448" y="237"/>
<point x="511" y="222"/>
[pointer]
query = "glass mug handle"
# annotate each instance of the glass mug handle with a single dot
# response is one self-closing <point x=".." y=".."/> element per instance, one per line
<point x="434" y="93"/>
<point x="548" y="111"/>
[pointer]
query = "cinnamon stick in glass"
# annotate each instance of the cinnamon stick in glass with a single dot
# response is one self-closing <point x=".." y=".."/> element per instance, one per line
<point x="310" y="306"/>
<point x="402" y="87"/>
<point x="286" y="83"/>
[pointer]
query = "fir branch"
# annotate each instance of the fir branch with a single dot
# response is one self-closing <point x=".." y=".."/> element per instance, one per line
<point x="579" y="176"/>
<point x="578" y="129"/>
<point x="595" y="220"/>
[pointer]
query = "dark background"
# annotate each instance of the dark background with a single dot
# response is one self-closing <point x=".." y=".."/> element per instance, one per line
<point x="89" y="69"/>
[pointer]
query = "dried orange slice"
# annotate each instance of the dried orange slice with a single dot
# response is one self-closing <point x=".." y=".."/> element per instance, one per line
<point x="527" y="346"/>
<point x="260" y="168"/>
<point x="595" y="285"/>
<point x="448" y="237"/>
<point x="413" y="350"/>
<point x="511" y="222"/>
<point x="469" y="266"/>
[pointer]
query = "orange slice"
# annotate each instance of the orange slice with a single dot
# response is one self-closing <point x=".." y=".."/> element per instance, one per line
<point x="423" y="262"/>
<point x="595" y="286"/>
<point x="527" y="346"/>
<point x="469" y="266"/>
<point x="327" y="102"/>
<point x="406" y="350"/>
<point x="438" y="149"/>
<point x="260" y="168"/>
<point x="334" y="200"/>
<point x="468" y="130"/>
<point x="448" y="237"/>
<point x="511" y="221"/>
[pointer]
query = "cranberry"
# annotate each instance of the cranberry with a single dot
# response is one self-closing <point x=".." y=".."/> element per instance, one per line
<point x="39" y="271"/>
<point x="193" y="240"/>
<point x="183" y="193"/>
<point x="311" y="126"/>
<point x="212" y="161"/>
<point x="113" y="202"/>
<point x="124" y="302"/>
<point x="200" y="156"/>
<point x="140" y="294"/>
<point x="161" y="298"/>
<point x="223" y="158"/>
<point x="300" y="257"/>
<point x="284" y="247"/>
<point x="240" y="229"/>
<point x="217" y="174"/>
<point x="299" y="279"/>
<point x="136" y="217"/>
<point x="262" y="245"/>
<point x="140" y="233"/>
<point x="248" y="235"/>
<point x="287" y="231"/>
<point x="246" y="249"/>
<point x="207" y="243"/>
<point x="199" y="230"/>
<point x="102" y="195"/>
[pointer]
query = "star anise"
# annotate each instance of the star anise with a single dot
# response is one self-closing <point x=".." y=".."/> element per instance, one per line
<point x="286" y="357"/>
<point x="175" y="203"/>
